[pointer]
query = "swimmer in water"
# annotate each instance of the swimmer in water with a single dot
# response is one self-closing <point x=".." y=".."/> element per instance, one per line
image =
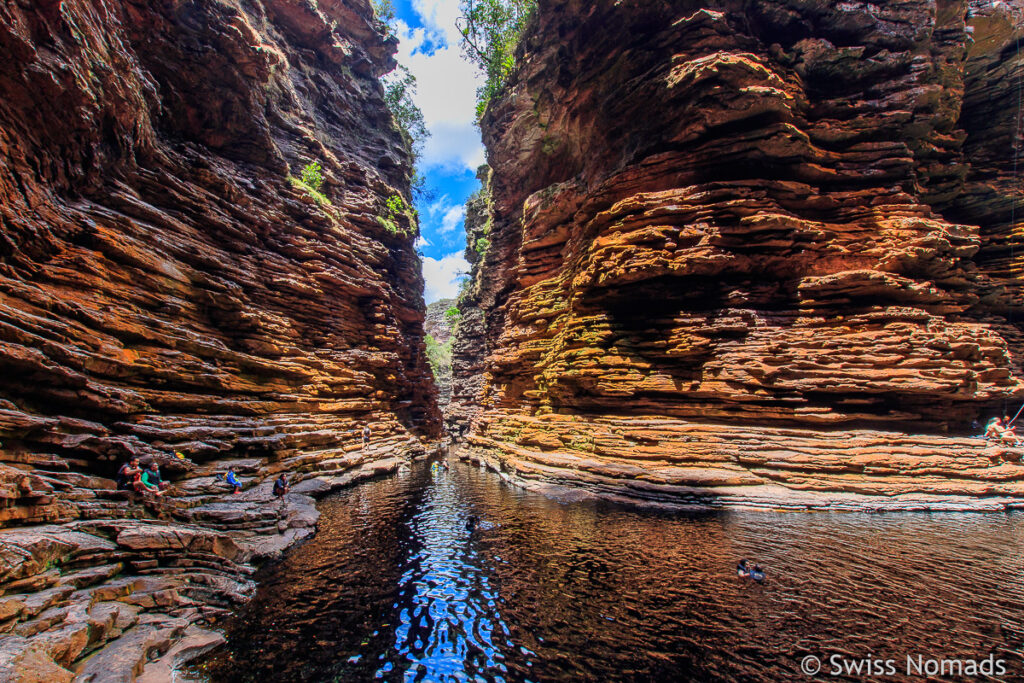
<point x="757" y="574"/>
<point x="741" y="570"/>
<point x="471" y="523"/>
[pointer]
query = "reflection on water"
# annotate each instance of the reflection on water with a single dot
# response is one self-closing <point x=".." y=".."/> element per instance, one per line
<point x="452" y="622"/>
<point x="395" y="587"/>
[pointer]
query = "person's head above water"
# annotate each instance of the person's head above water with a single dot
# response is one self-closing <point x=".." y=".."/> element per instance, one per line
<point x="743" y="563"/>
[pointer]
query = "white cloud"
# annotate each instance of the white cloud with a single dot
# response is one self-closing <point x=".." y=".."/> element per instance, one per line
<point x="452" y="218"/>
<point x="439" y="205"/>
<point x="445" y="86"/>
<point x="442" y="276"/>
<point x="422" y="242"/>
<point x="440" y="15"/>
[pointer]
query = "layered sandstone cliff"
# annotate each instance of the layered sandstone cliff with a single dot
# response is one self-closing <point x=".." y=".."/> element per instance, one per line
<point x="753" y="252"/>
<point x="168" y="291"/>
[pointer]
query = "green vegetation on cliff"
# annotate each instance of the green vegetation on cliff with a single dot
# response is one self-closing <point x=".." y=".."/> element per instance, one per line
<point x="310" y="181"/>
<point x="399" y="87"/>
<point x="394" y="208"/>
<point x="490" y="33"/>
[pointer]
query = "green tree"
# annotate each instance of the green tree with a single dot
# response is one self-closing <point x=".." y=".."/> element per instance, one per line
<point x="399" y="87"/>
<point x="440" y="357"/>
<point x="385" y="12"/>
<point x="491" y="30"/>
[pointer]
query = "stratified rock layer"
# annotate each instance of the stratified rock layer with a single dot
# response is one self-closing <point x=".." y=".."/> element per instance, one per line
<point x="167" y="290"/>
<point x="736" y="258"/>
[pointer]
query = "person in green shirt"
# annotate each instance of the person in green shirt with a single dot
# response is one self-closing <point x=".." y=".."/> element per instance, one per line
<point x="152" y="480"/>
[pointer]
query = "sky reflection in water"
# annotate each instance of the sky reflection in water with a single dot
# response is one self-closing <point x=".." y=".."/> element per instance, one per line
<point x="449" y="616"/>
<point x="394" y="588"/>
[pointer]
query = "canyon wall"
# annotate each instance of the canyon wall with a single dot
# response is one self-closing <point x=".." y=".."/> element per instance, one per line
<point x="170" y="289"/>
<point x="762" y="253"/>
<point x="438" y="325"/>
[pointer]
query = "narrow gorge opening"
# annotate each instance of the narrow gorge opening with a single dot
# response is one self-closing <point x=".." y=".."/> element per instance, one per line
<point x="541" y="315"/>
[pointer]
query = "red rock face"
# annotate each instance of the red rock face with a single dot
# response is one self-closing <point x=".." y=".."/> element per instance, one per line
<point x="166" y="291"/>
<point x="736" y="255"/>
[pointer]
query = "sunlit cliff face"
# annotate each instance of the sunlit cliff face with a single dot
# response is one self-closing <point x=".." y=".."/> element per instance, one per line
<point x="717" y="223"/>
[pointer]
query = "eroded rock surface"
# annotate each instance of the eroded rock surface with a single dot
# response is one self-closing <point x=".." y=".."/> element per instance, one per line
<point x="168" y="291"/>
<point x="753" y="252"/>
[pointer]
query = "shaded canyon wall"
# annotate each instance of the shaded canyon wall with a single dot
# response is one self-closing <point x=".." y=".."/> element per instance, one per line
<point x="752" y="252"/>
<point x="166" y="291"/>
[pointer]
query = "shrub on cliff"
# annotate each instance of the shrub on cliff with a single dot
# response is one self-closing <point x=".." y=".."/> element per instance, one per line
<point x="490" y="33"/>
<point x="399" y="87"/>
<point x="310" y="181"/>
<point x="394" y="208"/>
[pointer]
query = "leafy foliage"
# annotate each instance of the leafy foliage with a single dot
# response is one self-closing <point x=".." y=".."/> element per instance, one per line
<point x="465" y="289"/>
<point x="452" y="315"/>
<point x="399" y="87"/>
<point x="394" y="208"/>
<point x="310" y="181"/>
<point x="313" y="176"/>
<point x="440" y="357"/>
<point x="490" y="33"/>
<point x="385" y="12"/>
<point x="482" y="245"/>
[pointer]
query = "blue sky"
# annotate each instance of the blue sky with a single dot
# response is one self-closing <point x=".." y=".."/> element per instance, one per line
<point x="446" y="92"/>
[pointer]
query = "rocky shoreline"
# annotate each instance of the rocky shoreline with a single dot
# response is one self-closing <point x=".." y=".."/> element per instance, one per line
<point x="674" y="490"/>
<point x="124" y="599"/>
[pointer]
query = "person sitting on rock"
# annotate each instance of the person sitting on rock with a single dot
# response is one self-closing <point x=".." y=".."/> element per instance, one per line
<point x="126" y="475"/>
<point x="281" y="486"/>
<point x="140" y="485"/>
<point x="999" y="431"/>
<point x="151" y="477"/>
<point x="232" y="480"/>
<point x="1010" y="437"/>
<point x="994" y="429"/>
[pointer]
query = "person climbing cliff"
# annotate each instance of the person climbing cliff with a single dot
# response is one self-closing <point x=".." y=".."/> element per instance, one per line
<point x="127" y="473"/>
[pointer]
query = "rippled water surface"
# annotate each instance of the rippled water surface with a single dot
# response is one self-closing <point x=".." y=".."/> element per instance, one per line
<point x="394" y="587"/>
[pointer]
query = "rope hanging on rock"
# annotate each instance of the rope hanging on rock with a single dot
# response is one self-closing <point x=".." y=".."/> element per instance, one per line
<point x="1015" y="150"/>
<point x="1016" y="416"/>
